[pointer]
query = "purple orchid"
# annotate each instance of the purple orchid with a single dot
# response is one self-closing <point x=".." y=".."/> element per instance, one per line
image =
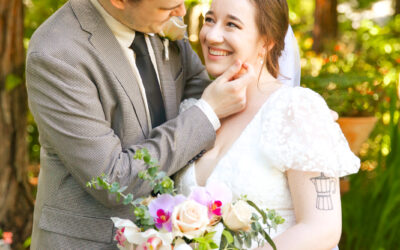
<point x="161" y="210"/>
<point x="213" y="196"/>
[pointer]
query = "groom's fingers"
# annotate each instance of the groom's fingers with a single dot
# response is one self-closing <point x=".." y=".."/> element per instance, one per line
<point x="246" y="78"/>
<point x="227" y="94"/>
<point x="231" y="72"/>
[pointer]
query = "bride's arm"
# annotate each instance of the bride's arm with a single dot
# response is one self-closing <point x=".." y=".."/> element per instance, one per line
<point x="318" y="226"/>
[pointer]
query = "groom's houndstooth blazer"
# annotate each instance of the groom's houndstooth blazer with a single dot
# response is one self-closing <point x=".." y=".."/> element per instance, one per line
<point x="91" y="119"/>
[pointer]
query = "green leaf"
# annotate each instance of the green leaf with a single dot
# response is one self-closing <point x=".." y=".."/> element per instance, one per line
<point x="100" y="180"/>
<point x="152" y="171"/>
<point x="138" y="212"/>
<point x="27" y="242"/>
<point x="209" y="236"/>
<point x="228" y="236"/>
<point x="200" y="240"/>
<point x="158" y="189"/>
<point x="213" y="245"/>
<point x="114" y="187"/>
<point x="167" y="183"/>
<point x="268" y="239"/>
<point x="279" y="220"/>
<point x="254" y="226"/>
<point x="138" y="155"/>
<point x="12" y="81"/>
<point x="146" y="213"/>
<point x="145" y="151"/>
<point x="161" y="175"/>
<point x="128" y="199"/>
<point x="147" y="159"/>
<point x="262" y="213"/>
<point x="202" y="246"/>
<point x="237" y="241"/>
<point x="271" y="214"/>
<point x="247" y="240"/>
<point x="142" y="175"/>
<point x="255" y="217"/>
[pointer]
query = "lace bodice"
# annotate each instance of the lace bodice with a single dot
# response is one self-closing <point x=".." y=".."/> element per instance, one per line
<point x="293" y="129"/>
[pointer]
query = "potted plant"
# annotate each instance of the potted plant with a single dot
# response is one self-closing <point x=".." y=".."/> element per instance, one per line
<point x="354" y="97"/>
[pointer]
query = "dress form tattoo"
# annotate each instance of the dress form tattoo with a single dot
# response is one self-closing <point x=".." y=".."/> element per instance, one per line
<point x="325" y="186"/>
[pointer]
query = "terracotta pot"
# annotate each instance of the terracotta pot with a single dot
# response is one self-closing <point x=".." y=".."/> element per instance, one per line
<point x="357" y="130"/>
<point x="344" y="185"/>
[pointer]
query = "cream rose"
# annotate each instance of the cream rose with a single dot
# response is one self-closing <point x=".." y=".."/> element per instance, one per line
<point x="237" y="216"/>
<point x="190" y="219"/>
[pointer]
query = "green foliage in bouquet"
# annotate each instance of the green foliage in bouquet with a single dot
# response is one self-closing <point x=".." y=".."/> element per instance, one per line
<point x="262" y="221"/>
<point x="241" y="239"/>
<point x="159" y="182"/>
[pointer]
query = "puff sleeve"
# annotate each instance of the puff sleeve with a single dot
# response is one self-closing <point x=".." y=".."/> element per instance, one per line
<point x="299" y="133"/>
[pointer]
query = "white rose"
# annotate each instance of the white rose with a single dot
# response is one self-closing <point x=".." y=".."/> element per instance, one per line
<point x="190" y="219"/>
<point x="174" y="29"/>
<point x="237" y="216"/>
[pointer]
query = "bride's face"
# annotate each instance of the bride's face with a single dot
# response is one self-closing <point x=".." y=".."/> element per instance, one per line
<point x="230" y="33"/>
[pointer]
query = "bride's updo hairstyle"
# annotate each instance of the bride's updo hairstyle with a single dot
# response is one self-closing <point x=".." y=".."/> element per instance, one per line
<point x="272" y="20"/>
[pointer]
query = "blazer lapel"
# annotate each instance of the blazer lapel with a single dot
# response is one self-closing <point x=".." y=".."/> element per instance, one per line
<point x="167" y="83"/>
<point x="110" y="50"/>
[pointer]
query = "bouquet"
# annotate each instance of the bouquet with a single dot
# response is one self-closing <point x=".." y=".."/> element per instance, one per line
<point x="206" y="219"/>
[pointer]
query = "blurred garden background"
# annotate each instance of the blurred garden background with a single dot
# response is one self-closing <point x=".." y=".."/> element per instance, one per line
<point x="350" y="54"/>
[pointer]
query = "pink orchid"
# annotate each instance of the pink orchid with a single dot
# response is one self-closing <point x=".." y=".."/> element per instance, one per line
<point x="152" y="243"/>
<point x="216" y="208"/>
<point x="120" y="237"/>
<point x="161" y="209"/>
<point x="214" y="196"/>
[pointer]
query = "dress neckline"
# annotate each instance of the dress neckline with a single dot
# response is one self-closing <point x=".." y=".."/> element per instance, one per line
<point x="194" y="175"/>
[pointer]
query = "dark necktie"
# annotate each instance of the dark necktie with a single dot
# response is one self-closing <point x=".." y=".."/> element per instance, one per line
<point x="149" y="79"/>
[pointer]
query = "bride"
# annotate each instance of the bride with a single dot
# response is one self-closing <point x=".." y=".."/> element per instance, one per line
<point x="284" y="151"/>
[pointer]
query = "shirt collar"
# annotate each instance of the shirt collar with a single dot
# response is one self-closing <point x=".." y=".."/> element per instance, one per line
<point x="124" y="34"/>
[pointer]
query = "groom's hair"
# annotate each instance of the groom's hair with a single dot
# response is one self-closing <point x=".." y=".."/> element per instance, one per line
<point x="272" y="19"/>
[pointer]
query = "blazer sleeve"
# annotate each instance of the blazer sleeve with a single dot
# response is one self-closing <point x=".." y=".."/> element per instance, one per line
<point x="70" y="117"/>
<point x="194" y="73"/>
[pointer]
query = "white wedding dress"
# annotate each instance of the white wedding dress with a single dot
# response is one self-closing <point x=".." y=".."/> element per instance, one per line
<point x="293" y="129"/>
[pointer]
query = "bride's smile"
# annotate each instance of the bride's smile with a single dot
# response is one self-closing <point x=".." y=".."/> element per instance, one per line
<point x="230" y="33"/>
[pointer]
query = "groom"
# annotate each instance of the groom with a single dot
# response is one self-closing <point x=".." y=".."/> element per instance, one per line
<point x="100" y="88"/>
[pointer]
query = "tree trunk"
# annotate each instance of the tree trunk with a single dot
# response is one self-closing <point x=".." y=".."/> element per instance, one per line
<point x="325" y="25"/>
<point x="397" y="10"/>
<point x="16" y="194"/>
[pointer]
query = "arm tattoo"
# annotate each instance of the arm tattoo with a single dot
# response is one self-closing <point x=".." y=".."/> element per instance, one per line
<point x="325" y="186"/>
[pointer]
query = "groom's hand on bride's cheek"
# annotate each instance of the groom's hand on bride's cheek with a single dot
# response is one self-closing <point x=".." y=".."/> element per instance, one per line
<point x="227" y="94"/>
<point x="242" y="71"/>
